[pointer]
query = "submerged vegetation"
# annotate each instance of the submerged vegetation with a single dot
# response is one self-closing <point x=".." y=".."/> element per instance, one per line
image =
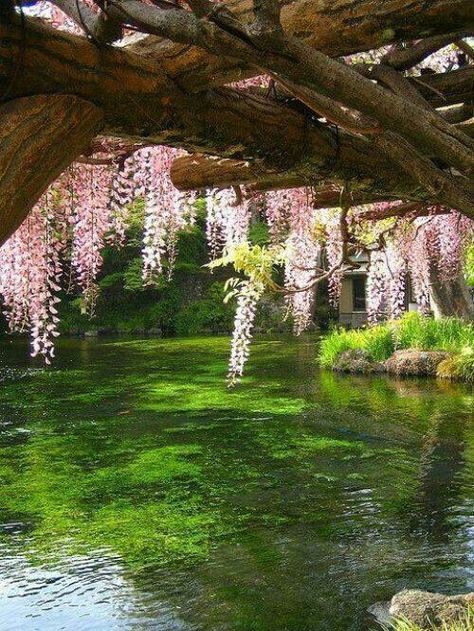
<point x="412" y="331"/>
<point x="236" y="506"/>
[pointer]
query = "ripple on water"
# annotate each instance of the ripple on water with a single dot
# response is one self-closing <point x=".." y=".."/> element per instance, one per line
<point x="290" y="504"/>
<point x="93" y="591"/>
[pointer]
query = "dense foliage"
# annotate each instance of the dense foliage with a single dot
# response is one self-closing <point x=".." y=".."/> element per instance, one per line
<point x="190" y="302"/>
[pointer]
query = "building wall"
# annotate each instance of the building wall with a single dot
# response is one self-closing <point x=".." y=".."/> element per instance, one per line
<point x="354" y="319"/>
<point x="345" y="302"/>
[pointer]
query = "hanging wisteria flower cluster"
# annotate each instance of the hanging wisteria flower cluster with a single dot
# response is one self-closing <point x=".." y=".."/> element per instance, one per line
<point x="167" y="211"/>
<point x="81" y="212"/>
<point x="227" y="220"/>
<point x="31" y="272"/>
<point x="303" y="259"/>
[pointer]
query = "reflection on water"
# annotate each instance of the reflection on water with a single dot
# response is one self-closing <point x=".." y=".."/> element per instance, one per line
<point x="138" y="493"/>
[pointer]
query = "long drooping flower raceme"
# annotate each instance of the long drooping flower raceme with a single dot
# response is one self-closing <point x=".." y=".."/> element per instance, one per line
<point x="256" y="264"/>
<point x="302" y="262"/>
<point x="333" y="250"/>
<point x="30" y="275"/>
<point x="227" y="220"/>
<point x="166" y="210"/>
<point x="278" y="206"/>
<point x="90" y="189"/>
<point x="122" y="194"/>
<point x="396" y="281"/>
<point x="376" y="287"/>
<point x="247" y="301"/>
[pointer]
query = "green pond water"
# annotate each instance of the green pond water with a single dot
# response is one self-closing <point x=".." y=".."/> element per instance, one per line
<point x="137" y="492"/>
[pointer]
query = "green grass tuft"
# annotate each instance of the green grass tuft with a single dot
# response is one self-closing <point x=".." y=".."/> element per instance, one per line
<point x="410" y="331"/>
<point x="465" y="624"/>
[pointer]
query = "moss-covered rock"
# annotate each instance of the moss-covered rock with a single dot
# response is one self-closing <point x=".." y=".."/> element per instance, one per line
<point x="357" y="361"/>
<point x="415" y="362"/>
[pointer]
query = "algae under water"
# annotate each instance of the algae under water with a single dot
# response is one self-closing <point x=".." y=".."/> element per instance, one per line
<point x="137" y="492"/>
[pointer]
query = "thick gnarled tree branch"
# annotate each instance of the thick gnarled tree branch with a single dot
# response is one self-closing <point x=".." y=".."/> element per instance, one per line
<point x="39" y="137"/>
<point x="336" y="30"/>
<point x="151" y="109"/>
<point x="272" y="140"/>
<point x="298" y="63"/>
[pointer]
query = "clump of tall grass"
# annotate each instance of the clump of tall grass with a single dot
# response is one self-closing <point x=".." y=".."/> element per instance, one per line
<point x="377" y="341"/>
<point x="428" y="334"/>
<point x="464" y="624"/>
<point x="411" y="331"/>
<point x="459" y="366"/>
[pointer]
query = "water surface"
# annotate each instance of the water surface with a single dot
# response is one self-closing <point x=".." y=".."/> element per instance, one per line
<point x="137" y="492"/>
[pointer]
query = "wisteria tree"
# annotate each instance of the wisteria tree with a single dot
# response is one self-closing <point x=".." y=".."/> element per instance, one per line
<point x="349" y="128"/>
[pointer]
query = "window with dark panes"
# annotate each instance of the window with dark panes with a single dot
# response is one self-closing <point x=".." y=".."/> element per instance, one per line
<point x="358" y="293"/>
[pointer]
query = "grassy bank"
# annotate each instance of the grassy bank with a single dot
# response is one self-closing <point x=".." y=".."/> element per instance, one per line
<point x="462" y="625"/>
<point x="412" y="331"/>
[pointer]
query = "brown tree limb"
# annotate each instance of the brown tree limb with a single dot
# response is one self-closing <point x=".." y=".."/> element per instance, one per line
<point x="142" y="104"/>
<point x="267" y="23"/>
<point x="336" y="30"/>
<point x="396" y="82"/>
<point x="425" y="130"/>
<point x="332" y="111"/>
<point x="458" y="113"/>
<point x="39" y="136"/>
<point x="447" y="88"/>
<point x="407" y="57"/>
<point x="466" y="48"/>
<point x="417" y="209"/>
<point x="96" y="25"/>
<point x="428" y="132"/>
<point x="441" y="187"/>
<point x="467" y="126"/>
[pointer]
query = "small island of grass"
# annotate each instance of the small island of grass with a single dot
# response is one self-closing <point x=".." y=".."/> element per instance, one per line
<point x="458" y="625"/>
<point x="412" y="345"/>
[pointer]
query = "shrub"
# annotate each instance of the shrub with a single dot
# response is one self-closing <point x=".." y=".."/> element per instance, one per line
<point x="338" y="341"/>
<point x="416" y="331"/>
<point x="377" y="341"/>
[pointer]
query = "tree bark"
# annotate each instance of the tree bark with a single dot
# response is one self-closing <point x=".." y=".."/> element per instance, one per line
<point x="334" y="28"/>
<point x="39" y="136"/>
<point x="139" y="103"/>
<point x="294" y="62"/>
<point x="446" y="88"/>
<point x="270" y="139"/>
<point x="450" y="298"/>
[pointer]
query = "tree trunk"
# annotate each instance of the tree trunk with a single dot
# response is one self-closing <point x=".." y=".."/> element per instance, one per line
<point x="40" y="136"/>
<point x="450" y="298"/>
